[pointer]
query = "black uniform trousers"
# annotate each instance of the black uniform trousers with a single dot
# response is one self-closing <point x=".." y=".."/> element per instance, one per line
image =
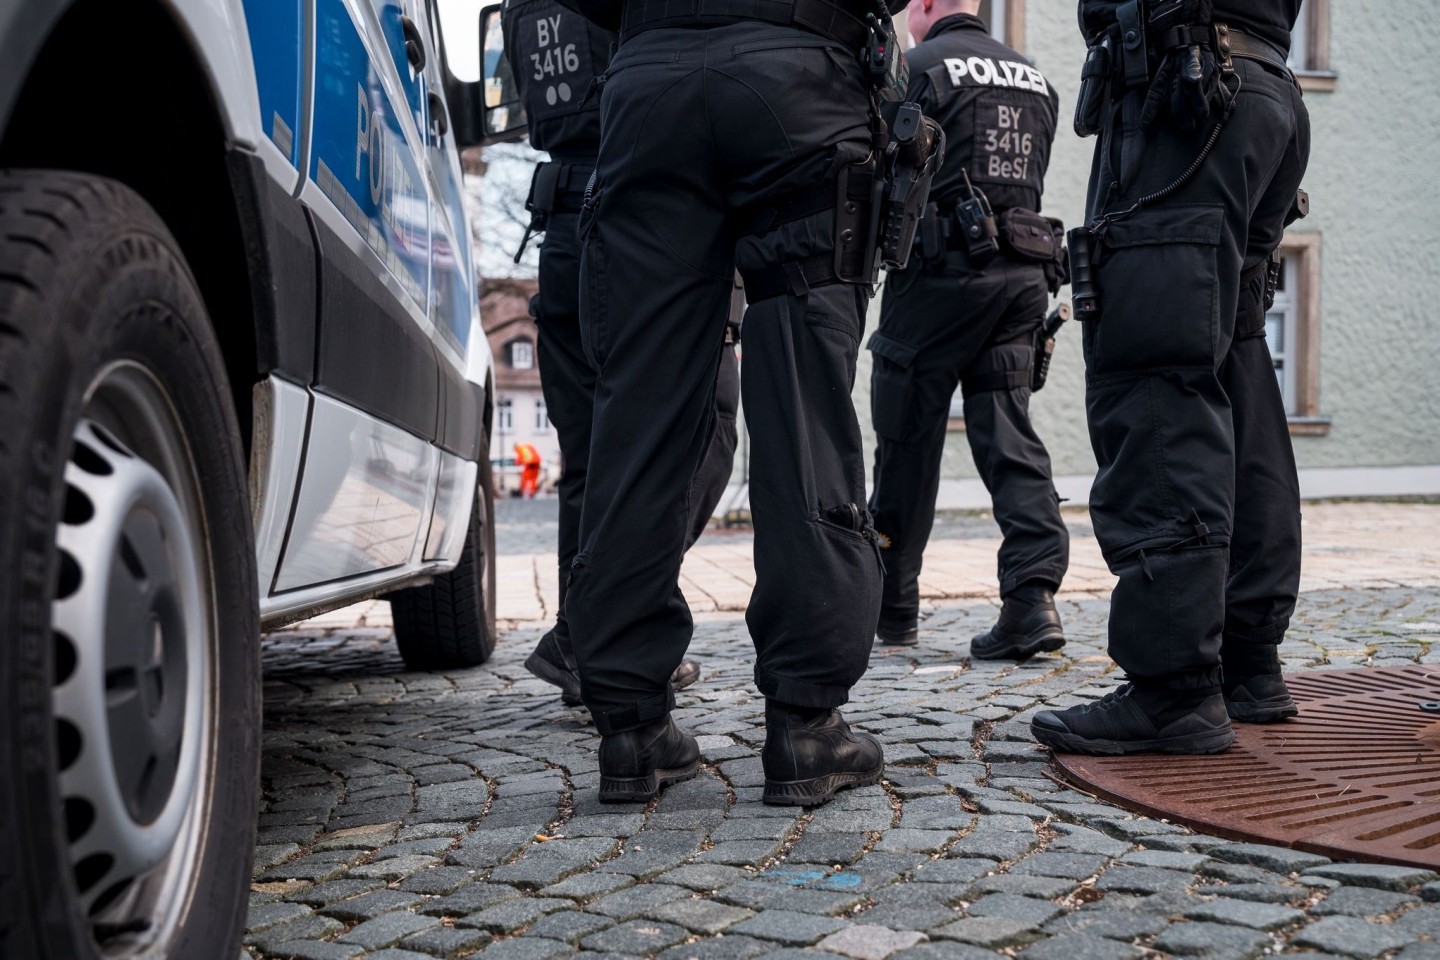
<point x="702" y="128"/>
<point x="942" y="326"/>
<point x="1196" y="502"/>
<point x="568" y="383"/>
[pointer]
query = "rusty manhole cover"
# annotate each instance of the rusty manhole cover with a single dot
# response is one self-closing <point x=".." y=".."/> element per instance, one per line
<point x="1356" y="775"/>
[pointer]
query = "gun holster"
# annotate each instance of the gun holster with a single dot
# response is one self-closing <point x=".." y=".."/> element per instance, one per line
<point x="917" y="148"/>
<point x="1045" y="345"/>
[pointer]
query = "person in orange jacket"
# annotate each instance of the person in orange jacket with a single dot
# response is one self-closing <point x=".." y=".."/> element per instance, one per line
<point x="529" y="459"/>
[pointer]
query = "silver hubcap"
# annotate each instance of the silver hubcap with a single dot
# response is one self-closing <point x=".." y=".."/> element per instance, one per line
<point x="133" y="687"/>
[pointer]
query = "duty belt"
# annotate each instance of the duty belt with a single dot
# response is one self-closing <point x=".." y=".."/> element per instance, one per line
<point x="818" y="16"/>
<point x="1232" y="43"/>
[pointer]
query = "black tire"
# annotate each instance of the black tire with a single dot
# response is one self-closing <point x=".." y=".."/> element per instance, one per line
<point x="95" y="301"/>
<point x="449" y="623"/>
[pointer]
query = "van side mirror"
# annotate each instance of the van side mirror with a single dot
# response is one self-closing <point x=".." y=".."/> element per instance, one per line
<point x="502" y="113"/>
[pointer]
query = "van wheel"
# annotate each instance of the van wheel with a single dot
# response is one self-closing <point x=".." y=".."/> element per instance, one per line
<point x="450" y="622"/>
<point x="128" y="601"/>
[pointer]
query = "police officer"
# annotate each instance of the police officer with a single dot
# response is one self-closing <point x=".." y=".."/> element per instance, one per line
<point x="1203" y="143"/>
<point x="726" y="125"/>
<point x="967" y="314"/>
<point x="555" y="56"/>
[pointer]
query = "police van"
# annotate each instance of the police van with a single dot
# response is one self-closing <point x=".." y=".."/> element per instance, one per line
<point x="242" y="381"/>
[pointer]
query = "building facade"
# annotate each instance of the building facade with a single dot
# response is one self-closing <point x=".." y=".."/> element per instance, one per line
<point x="520" y="415"/>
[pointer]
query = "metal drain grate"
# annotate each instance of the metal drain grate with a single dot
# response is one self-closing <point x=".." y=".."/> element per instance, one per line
<point x="1356" y="775"/>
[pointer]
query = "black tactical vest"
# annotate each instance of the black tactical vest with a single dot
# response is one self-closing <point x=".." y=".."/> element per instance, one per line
<point x="555" y="54"/>
<point x="998" y="113"/>
<point x="1270" y="19"/>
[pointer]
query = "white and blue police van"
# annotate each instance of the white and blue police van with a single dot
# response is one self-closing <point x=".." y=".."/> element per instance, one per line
<point x="242" y="381"/>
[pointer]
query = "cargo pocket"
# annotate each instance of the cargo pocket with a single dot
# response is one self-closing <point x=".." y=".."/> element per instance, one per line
<point x="1159" y="292"/>
<point x="892" y="385"/>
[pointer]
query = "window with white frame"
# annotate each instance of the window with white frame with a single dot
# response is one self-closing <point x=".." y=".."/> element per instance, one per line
<point x="1310" y="46"/>
<point x="1292" y="332"/>
<point x="505" y="415"/>
<point x="1281" y="333"/>
<point x="522" y="354"/>
<point x="542" y="419"/>
<point x="1006" y="20"/>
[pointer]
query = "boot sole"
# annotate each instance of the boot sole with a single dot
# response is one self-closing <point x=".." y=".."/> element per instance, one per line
<point x="1262" y="711"/>
<point x="1047" y="640"/>
<point x="1216" y="741"/>
<point x="816" y="790"/>
<point x="641" y="789"/>
<point x="547" y="671"/>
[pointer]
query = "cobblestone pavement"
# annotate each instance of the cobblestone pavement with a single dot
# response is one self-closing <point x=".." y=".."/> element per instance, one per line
<point x="409" y="815"/>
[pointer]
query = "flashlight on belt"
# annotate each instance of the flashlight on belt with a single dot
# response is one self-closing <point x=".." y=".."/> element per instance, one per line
<point x="1083" y="295"/>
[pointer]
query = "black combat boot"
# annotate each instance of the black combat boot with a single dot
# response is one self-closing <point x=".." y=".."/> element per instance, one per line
<point x="810" y="753"/>
<point x="1139" y="719"/>
<point x="1028" y="624"/>
<point x="636" y="764"/>
<point x="551" y="663"/>
<point x="903" y="636"/>
<point x="1255" y="692"/>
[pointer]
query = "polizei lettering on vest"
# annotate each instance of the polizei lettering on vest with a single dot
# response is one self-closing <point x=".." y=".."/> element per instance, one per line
<point x="1001" y="73"/>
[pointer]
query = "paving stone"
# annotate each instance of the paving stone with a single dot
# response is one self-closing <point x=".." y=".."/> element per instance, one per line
<point x="1143" y="880"/>
<point x="1261" y="916"/>
<point x="719" y="948"/>
<point x="331" y="891"/>
<point x="1423" y="921"/>
<point x="1070" y="866"/>
<point x="637" y="937"/>
<point x="992" y="932"/>
<point x="1259" y="892"/>
<point x="1362" y="902"/>
<point x="316" y="868"/>
<point x="944" y="951"/>
<point x="636" y="901"/>
<point x="469" y="899"/>
<point x="264" y="916"/>
<point x="869" y="943"/>
<point x="1424" y="950"/>
<point x="1010" y="907"/>
<point x="701" y="916"/>
<point x="1043" y="888"/>
<point x="372" y="905"/>
<point x="309" y="927"/>
<point x="1279" y="859"/>
<point x="1379" y="875"/>
<point x="313" y="950"/>
<point x="569" y="925"/>
<point x="1166" y="859"/>
<point x="1079" y="947"/>
<point x="446" y="941"/>
<point x="952" y="871"/>
<point x="511" y="915"/>
<point x="1351" y="937"/>
<point x="588" y="886"/>
<point x="918" y="840"/>
<point x="1430" y="892"/>
<point x="388" y="929"/>
<point x="526" y="948"/>
<point x="787" y="926"/>
<point x="1112" y="924"/>
<point x="1211" y="940"/>
<point x="544" y="863"/>
<point x="829" y="848"/>
<point x="704" y="876"/>
<point x="909" y="913"/>
<point x="394" y="868"/>
<point x="438" y="881"/>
